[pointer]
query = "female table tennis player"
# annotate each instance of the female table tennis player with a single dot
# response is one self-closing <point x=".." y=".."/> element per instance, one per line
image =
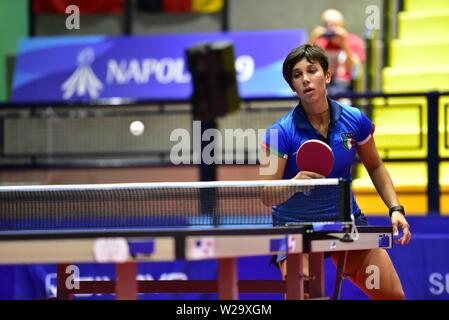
<point x="347" y="131"/>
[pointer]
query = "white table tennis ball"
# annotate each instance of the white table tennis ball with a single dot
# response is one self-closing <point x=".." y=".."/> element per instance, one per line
<point x="136" y="128"/>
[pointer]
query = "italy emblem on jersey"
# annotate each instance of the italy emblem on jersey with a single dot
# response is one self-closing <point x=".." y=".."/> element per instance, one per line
<point x="348" y="140"/>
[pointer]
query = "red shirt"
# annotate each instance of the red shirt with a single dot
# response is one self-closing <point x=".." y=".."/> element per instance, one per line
<point x="337" y="56"/>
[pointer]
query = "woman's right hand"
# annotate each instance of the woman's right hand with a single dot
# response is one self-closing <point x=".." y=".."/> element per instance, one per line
<point x="308" y="175"/>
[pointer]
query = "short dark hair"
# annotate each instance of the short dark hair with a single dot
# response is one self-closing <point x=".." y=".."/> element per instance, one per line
<point x="311" y="52"/>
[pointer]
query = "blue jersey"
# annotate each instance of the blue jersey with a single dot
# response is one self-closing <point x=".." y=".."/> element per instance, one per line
<point x="348" y="128"/>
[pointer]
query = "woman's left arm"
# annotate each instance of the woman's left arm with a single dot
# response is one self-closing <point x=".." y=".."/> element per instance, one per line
<point x="384" y="185"/>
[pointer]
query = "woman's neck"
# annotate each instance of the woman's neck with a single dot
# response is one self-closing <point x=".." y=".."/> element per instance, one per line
<point x="318" y="114"/>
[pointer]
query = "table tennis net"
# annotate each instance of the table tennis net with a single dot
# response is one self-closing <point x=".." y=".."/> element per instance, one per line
<point x="169" y="204"/>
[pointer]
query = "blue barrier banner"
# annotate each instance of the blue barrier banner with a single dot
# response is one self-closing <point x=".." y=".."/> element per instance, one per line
<point x="150" y="67"/>
<point x="39" y="281"/>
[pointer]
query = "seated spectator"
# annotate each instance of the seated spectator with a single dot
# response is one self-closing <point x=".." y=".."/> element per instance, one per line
<point x="345" y="50"/>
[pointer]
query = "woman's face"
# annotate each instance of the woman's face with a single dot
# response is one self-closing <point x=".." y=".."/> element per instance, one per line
<point x="309" y="81"/>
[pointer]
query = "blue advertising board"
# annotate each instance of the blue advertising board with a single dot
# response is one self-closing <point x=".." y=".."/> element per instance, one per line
<point x="150" y="67"/>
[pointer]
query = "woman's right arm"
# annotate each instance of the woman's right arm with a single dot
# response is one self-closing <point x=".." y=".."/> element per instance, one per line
<point x="272" y="167"/>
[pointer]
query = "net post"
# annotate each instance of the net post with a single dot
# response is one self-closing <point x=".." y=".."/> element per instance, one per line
<point x="345" y="200"/>
<point x="345" y="207"/>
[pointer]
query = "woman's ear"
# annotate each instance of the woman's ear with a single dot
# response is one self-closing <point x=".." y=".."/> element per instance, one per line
<point x="328" y="77"/>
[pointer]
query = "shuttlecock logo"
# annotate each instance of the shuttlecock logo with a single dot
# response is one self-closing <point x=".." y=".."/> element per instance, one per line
<point x="83" y="80"/>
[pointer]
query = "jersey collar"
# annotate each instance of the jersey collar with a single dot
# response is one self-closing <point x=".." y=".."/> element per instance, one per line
<point x="301" y="121"/>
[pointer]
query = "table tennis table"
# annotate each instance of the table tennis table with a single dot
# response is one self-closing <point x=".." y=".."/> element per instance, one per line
<point x="125" y="248"/>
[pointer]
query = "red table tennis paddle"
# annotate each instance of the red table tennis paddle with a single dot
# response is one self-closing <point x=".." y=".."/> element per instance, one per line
<point x="316" y="156"/>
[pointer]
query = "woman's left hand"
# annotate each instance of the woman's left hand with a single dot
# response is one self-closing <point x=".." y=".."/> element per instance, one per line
<point x="398" y="221"/>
